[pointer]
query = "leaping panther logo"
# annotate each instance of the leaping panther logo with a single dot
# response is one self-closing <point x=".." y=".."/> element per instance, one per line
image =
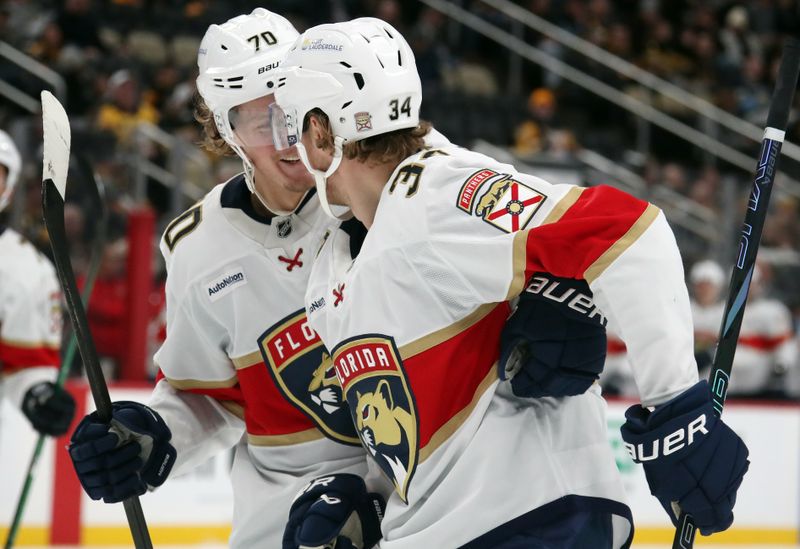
<point x="386" y="430"/>
<point x="491" y="197"/>
<point x="509" y="204"/>
<point x="382" y="405"/>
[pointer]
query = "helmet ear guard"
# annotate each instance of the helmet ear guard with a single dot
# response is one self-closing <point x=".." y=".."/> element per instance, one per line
<point x="12" y="161"/>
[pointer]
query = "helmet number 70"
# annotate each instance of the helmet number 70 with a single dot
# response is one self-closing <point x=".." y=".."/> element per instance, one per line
<point x="268" y="38"/>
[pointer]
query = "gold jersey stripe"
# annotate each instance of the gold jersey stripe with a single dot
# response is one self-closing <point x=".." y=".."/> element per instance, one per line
<point x="610" y="255"/>
<point x="519" y="262"/>
<point x="30" y="344"/>
<point x="519" y="258"/>
<point x="198" y="384"/>
<point x="563" y="205"/>
<point x="245" y="361"/>
<point x="285" y="440"/>
<point x="432" y="340"/>
<point x="450" y="427"/>
<point x="233" y="407"/>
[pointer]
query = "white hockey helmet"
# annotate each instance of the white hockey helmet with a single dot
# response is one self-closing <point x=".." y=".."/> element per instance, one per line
<point x="236" y="62"/>
<point x="361" y="74"/>
<point x="10" y="158"/>
<point x="707" y="271"/>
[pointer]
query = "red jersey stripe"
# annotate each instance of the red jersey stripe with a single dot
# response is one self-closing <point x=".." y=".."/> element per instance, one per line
<point x="764" y="343"/>
<point x="14" y="358"/>
<point x="580" y="238"/>
<point x="266" y="411"/>
<point x="460" y="362"/>
<point x="616" y="347"/>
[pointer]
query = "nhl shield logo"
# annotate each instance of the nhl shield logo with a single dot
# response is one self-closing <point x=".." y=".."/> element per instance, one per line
<point x="382" y="406"/>
<point x="508" y="204"/>
<point x="363" y="121"/>
<point x="304" y="374"/>
<point x="284" y="227"/>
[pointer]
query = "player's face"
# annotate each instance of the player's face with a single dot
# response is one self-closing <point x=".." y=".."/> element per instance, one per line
<point x="3" y="175"/>
<point x="706" y="292"/>
<point x="275" y="170"/>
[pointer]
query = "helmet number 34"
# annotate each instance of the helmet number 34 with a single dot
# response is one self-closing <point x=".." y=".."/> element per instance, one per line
<point x="405" y="108"/>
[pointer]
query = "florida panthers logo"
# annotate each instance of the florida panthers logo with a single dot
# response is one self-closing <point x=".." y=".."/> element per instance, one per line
<point x="507" y="204"/>
<point x="383" y="408"/>
<point x="304" y="373"/>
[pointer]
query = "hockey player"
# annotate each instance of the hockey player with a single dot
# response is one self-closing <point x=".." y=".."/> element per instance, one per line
<point x="30" y="318"/>
<point x="707" y="280"/>
<point x="414" y="313"/>
<point x="240" y="364"/>
<point x="767" y="350"/>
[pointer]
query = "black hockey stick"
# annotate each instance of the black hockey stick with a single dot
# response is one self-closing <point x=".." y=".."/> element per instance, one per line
<point x="54" y="185"/>
<point x="96" y="206"/>
<point x="750" y="238"/>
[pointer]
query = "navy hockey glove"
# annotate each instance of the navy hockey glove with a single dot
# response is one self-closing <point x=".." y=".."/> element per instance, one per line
<point x="49" y="408"/>
<point x="122" y="459"/>
<point x="690" y="457"/>
<point x="552" y="346"/>
<point x="334" y="511"/>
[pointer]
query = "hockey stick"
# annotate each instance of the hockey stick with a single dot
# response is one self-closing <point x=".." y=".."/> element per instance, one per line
<point x="54" y="186"/>
<point x="750" y="238"/>
<point x="97" y="205"/>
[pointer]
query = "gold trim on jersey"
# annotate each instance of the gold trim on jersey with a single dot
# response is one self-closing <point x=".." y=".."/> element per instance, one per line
<point x="233" y="407"/>
<point x="245" y="361"/>
<point x="285" y="440"/>
<point x="640" y="226"/>
<point x="563" y="205"/>
<point x="432" y="340"/>
<point x="184" y="384"/>
<point x="451" y="426"/>
<point x="519" y="258"/>
<point x="30" y="344"/>
<point x="518" y="262"/>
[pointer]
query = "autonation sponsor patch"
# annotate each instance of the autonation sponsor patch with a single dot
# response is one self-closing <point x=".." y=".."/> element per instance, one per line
<point x="226" y="283"/>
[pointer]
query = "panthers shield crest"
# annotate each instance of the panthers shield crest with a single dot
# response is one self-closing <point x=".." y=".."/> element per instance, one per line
<point x="383" y="408"/>
<point x="304" y="374"/>
<point x="507" y="204"/>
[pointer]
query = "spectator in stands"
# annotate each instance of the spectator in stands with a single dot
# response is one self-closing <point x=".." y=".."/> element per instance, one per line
<point x="738" y="41"/>
<point x="106" y="311"/>
<point x="124" y="109"/>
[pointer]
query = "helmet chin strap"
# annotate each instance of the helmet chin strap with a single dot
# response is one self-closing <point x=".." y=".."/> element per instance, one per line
<point x="321" y="178"/>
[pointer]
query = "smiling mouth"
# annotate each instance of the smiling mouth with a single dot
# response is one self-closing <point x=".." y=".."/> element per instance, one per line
<point x="290" y="159"/>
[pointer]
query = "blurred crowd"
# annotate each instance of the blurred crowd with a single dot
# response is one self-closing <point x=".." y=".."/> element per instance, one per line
<point x="126" y="63"/>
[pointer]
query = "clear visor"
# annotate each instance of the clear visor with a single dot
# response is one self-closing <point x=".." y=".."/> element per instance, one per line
<point x="286" y="129"/>
<point x="251" y="125"/>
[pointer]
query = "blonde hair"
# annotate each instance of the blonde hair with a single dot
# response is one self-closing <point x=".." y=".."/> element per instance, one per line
<point x="392" y="147"/>
<point x="212" y="140"/>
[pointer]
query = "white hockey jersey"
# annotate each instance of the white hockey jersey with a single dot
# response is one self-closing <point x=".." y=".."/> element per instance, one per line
<point x="707" y="320"/>
<point x="766" y="342"/>
<point x="30" y="316"/>
<point x="240" y="357"/>
<point x="413" y="324"/>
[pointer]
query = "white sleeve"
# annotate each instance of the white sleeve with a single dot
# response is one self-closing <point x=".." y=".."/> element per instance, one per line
<point x="643" y="293"/>
<point x="17" y="384"/>
<point x="201" y="427"/>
